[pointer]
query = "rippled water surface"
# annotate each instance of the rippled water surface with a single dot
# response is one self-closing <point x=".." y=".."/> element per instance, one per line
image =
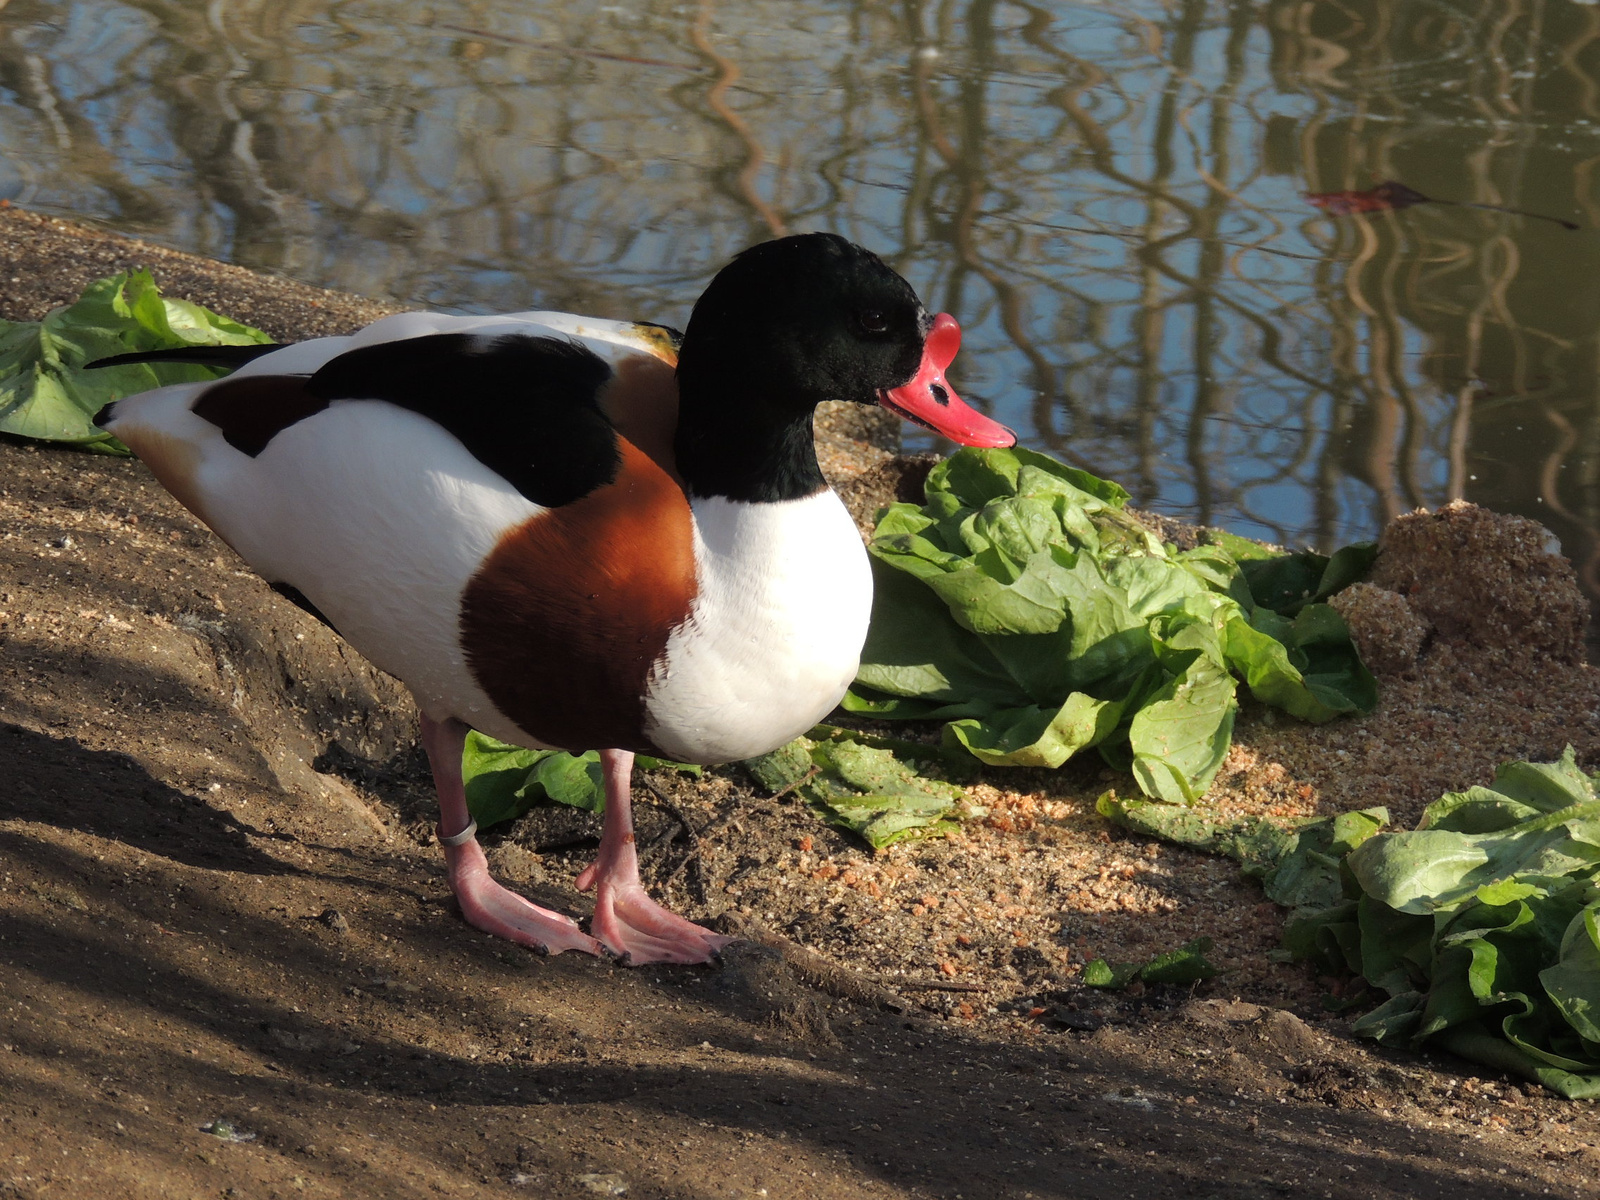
<point x="1111" y="197"/>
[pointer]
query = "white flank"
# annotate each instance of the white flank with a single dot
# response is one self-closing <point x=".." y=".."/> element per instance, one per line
<point x="378" y="515"/>
<point x="381" y="518"/>
<point x="774" y="636"/>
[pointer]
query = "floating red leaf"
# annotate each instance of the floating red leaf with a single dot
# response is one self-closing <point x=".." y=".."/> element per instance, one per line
<point x="1387" y="195"/>
<point x="1392" y="194"/>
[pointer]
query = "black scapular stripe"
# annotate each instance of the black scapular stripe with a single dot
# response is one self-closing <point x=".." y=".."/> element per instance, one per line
<point x="526" y="407"/>
<point x="251" y="410"/>
<point x="231" y="357"/>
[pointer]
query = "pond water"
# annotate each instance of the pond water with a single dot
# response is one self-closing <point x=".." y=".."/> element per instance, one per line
<point x="1111" y="197"/>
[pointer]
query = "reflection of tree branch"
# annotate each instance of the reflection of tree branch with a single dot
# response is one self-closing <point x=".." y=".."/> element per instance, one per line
<point x="44" y="98"/>
<point x="1568" y="60"/>
<point x="1550" y="468"/>
<point x="928" y="111"/>
<point x="966" y="165"/>
<point x="728" y="75"/>
<point x="1099" y="144"/>
<point x="1469" y="292"/>
<point x="1271" y="335"/>
<point x="1208" y="398"/>
<point x="1588" y="488"/>
<point x="567" y="51"/>
<point x="1395" y="386"/>
<point x="1150" y="323"/>
<point x="1204" y="291"/>
<point x="1460" y="428"/>
<point x="77" y="138"/>
<point x="1588" y="563"/>
<point x="1583" y="185"/>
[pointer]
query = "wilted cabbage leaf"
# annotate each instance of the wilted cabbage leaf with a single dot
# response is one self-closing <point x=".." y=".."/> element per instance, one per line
<point x="863" y="789"/>
<point x="867" y="790"/>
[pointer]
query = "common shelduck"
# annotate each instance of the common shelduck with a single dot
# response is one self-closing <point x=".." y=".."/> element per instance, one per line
<point x="574" y="533"/>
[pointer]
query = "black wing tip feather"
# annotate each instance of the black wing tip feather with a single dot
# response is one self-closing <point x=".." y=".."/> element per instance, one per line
<point x="231" y="357"/>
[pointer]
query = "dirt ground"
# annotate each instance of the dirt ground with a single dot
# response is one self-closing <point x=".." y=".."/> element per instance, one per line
<point x="229" y="965"/>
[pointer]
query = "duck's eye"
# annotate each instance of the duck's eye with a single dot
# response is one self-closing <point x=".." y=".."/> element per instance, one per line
<point x="873" y="320"/>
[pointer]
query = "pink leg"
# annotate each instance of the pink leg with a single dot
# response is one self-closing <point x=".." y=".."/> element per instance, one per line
<point x="484" y="903"/>
<point x="625" y="918"/>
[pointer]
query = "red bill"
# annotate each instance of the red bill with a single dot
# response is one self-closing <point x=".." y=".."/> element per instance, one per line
<point x="932" y="403"/>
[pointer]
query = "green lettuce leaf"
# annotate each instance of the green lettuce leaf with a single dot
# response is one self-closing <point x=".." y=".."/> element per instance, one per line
<point x="1482" y="926"/>
<point x="873" y="793"/>
<point x="1031" y="736"/>
<point x="46" y="394"/>
<point x="1185" y="965"/>
<point x="1432" y="870"/>
<point x="1287" y="583"/>
<point x="1021" y="605"/>
<point x="1573" y="983"/>
<point x="1298" y="862"/>
<point x="505" y="781"/>
<point x="1301" y="666"/>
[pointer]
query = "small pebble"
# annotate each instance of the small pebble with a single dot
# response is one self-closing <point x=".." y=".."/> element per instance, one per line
<point x="334" y="920"/>
<point x="602" y="1183"/>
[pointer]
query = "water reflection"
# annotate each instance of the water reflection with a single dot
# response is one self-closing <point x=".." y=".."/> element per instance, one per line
<point x="1110" y="195"/>
<point x="1466" y="340"/>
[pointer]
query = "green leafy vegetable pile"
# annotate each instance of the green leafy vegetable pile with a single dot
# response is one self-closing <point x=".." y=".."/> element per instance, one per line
<point x="45" y="393"/>
<point x="1482" y="925"/>
<point x="1021" y="605"/>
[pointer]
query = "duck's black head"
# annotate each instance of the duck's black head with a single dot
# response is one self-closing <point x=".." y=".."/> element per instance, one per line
<point x="791" y="323"/>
